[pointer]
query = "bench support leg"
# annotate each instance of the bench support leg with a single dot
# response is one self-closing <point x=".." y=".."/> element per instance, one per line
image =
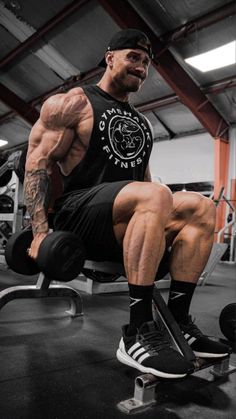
<point x="53" y="291"/>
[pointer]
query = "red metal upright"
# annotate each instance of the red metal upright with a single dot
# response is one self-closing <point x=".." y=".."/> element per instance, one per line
<point x="221" y="178"/>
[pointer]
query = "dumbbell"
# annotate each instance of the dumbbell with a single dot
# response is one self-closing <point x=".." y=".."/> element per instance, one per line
<point x="227" y="322"/>
<point x="61" y="255"/>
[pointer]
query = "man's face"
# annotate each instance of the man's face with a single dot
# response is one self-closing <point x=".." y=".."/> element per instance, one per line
<point x="129" y="68"/>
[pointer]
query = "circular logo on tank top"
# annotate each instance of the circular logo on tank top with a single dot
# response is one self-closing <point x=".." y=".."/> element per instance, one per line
<point x="126" y="137"/>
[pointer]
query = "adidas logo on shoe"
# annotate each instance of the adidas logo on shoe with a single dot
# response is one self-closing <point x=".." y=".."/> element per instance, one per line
<point x="149" y="352"/>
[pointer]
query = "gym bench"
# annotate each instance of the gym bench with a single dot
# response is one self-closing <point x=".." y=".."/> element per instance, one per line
<point x="44" y="289"/>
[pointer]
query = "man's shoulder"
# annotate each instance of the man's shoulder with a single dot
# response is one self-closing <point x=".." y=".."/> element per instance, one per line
<point x="58" y="100"/>
<point x="60" y="109"/>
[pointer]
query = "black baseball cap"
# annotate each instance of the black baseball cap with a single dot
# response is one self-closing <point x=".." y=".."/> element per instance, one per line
<point x="129" y="38"/>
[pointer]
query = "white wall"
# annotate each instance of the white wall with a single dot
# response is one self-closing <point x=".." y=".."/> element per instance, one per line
<point x="184" y="160"/>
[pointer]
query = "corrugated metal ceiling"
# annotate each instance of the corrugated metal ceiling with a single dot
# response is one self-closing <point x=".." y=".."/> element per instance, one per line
<point x="81" y="39"/>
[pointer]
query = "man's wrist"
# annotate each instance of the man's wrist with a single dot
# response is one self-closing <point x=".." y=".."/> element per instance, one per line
<point x="40" y="228"/>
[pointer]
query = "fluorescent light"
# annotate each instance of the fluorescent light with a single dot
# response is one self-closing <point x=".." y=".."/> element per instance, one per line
<point x="215" y="58"/>
<point x="3" y="142"/>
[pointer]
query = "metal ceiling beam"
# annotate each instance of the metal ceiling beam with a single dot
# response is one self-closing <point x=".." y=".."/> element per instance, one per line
<point x="157" y="103"/>
<point x="74" y="82"/>
<point x="171" y="134"/>
<point x="169" y="68"/>
<point x="47" y="27"/>
<point x="21" y="30"/>
<point x="215" y="88"/>
<point x="181" y="32"/>
<point x="201" y="22"/>
<point x="69" y="84"/>
<point x="26" y="111"/>
<point x="220" y="86"/>
<point x="204" y="21"/>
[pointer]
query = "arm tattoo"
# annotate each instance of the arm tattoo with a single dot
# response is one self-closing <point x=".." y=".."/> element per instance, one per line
<point x="37" y="190"/>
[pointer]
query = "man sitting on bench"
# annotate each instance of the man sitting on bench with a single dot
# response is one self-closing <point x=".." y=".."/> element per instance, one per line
<point x="102" y="146"/>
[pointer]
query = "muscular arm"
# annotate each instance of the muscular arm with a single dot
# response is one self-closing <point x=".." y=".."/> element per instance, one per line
<point x="37" y="195"/>
<point x="49" y="141"/>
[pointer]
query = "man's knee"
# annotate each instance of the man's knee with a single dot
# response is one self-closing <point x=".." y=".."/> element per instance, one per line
<point x="199" y="209"/>
<point x="207" y="213"/>
<point x="202" y="205"/>
<point x="142" y="197"/>
<point x="154" y="197"/>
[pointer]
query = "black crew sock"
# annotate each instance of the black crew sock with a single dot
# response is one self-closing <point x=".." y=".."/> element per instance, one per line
<point x="140" y="306"/>
<point x="180" y="297"/>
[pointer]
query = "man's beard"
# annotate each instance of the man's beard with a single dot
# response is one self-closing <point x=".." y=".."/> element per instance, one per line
<point x="129" y="85"/>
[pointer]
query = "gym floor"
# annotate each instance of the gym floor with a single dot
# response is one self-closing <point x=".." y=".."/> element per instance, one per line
<point x="55" y="367"/>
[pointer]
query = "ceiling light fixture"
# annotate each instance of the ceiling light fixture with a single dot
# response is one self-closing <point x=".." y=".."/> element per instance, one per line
<point x="3" y="142"/>
<point x="215" y="58"/>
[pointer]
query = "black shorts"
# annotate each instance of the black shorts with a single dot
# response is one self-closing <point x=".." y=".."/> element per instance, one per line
<point x="88" y="213"/>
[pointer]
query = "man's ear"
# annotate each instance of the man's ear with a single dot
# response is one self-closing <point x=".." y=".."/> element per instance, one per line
<point x="109" y="56"/>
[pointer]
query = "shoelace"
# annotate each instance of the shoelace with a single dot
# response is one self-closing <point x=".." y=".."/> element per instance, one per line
<point x="155" y="341"/>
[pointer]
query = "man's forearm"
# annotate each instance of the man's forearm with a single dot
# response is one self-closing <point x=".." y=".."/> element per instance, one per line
<point x="37" y="188"/>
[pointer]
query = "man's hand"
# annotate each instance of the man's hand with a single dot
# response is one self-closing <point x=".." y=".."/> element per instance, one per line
<point x="34" y="247"/>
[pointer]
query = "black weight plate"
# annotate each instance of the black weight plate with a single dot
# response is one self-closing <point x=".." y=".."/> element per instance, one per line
<point x="6" y="204"/>
<point x="6" y="176"/>
<point x="16" y="253"/>
<point x="61" y="256"/>
<point x="227" y="322"/>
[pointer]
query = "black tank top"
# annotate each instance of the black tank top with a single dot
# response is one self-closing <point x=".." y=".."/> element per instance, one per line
<point x="119" y="147"/>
